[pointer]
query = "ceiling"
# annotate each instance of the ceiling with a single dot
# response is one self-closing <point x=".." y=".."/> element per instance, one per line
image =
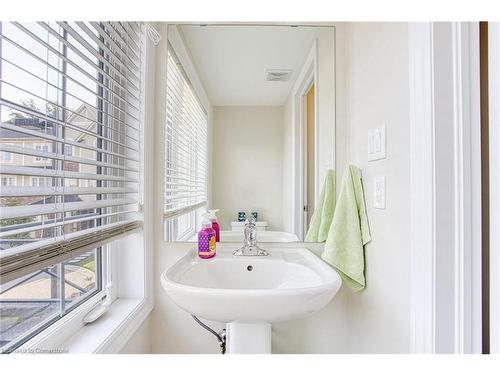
<point x="232" y="60"/>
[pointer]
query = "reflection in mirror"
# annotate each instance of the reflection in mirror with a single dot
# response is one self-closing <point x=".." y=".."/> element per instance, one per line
<point x="250" y="120"/>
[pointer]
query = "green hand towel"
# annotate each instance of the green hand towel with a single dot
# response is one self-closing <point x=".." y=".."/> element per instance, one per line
<point x="323" y="214"/>
<point x="349" y="232"/>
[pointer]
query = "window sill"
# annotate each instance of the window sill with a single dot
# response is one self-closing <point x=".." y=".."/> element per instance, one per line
<point x="111" y="331"/>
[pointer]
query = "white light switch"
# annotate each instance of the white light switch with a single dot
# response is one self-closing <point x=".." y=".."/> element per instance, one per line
<point x="379" y="192"/>
<point x="376" y="143"/>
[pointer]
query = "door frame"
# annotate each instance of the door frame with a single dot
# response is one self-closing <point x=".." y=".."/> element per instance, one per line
<point x="307" y="77"/>
<point x="463" y="298"/>
<point x="305" y="190"/>
<point x="493" y="263"/>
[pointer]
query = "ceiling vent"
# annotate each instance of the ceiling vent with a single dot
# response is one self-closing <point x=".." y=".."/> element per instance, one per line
<point x="280" y="75"/>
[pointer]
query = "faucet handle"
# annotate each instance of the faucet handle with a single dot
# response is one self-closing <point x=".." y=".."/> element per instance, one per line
<point x="250" y="221"/>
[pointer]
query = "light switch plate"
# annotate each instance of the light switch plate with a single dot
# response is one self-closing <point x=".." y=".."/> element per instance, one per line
<point x="379" y="192"/>
<point x="376" y="143"/>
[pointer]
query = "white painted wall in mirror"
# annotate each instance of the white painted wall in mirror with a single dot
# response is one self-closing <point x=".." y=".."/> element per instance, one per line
<point x="247" y="163"/>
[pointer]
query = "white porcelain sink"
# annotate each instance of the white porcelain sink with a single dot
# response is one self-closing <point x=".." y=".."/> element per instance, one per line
<point x="251" y="292"/>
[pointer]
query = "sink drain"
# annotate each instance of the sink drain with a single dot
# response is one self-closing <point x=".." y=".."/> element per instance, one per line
<point x="249" y="268"/>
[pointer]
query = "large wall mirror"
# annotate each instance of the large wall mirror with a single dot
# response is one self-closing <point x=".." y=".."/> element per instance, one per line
<point x="250" y="127"/>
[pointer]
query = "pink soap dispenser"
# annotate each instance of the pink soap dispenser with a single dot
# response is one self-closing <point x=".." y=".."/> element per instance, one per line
<point x="215" y="223"/>
<point x="206" y="238"/>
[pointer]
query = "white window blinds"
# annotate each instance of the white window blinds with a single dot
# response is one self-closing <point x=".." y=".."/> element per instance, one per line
<point x="70" y="110"/>
<point x="185" y="144"/>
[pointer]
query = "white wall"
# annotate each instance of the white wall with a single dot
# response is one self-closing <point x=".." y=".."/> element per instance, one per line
<point x="377" y="92"/>
<point x="140" y="342"/>
<point x="248" y="163"/>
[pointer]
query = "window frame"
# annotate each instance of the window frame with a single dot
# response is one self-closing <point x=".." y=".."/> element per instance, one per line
<point x="67" y="321"/>
<point x="100" y="273"/>
<point x="134" y="306"/>
<point x="189" y="232"/>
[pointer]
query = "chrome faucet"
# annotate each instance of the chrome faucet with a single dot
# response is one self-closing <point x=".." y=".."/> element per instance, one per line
<point x="250" y="247"/>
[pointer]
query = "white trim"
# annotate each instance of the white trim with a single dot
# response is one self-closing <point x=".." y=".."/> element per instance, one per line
<point x="159" y="131"/>
<point x="467" y="188"/>
<point x="126" y="326"/>
<point x="55" y="334"/>
<point x="148" y="167"/>
<point x="422" y="182"/>
<point x="307" y="76"/>
<point x="111" y="332"/>
<point x="459" y="222"/>
<point x="456" y="44"/>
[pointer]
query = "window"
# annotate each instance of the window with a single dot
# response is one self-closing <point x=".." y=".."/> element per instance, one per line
<point x="185" y="153"/>
<point x="68" y="150"/>
<point x="8" y="181"/>
<point x="42" y="148"/>
<point x="41" y="181"/>
<point x="32" y="302"/>
<point x="5" y="157"/>
<point x="70" y="94"/>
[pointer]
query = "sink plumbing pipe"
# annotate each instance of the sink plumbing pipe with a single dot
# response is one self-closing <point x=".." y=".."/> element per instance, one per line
<point x="221" y="336"/>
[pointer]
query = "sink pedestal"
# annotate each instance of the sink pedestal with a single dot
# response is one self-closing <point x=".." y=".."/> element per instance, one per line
<point x="248" y="338"/>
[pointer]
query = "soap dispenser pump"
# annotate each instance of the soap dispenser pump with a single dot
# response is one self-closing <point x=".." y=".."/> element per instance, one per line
<point x="215" y="223"/>
<point x="206" y="238"/>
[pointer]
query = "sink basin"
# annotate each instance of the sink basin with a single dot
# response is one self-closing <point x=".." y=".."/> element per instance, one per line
<point x="251" y="292"/>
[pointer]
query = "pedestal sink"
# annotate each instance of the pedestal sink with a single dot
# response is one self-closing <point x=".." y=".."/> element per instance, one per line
<point x="248" y="293"/>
